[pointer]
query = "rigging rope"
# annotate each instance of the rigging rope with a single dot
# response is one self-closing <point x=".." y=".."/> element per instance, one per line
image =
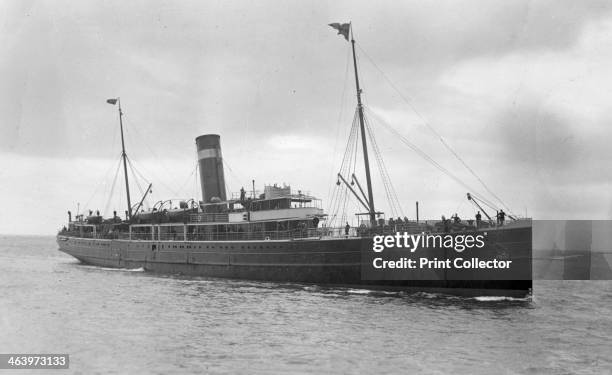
<point x="428" y="158"/>
<point x="357" y="137"/>
<point x="438" y="135"/>
<point x="112" y="190"/>
<point x="336" y="200"/>
<point x="196" y="178"/>
<point x="340" y="116"/>
<point x="134" y="169"/>
<point x="233" y="175"/>
<point x="140" y="189"/>
<point x="394" y="204"/>
<point x="104" y="178"/>
<point x="160" y="181"/>
<point x="168" y="171"/>
<point x="341" y="192"/>
<point x="188" y="179"/>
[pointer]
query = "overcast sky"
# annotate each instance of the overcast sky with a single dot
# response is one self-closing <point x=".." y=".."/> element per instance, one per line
<point x="519" y="89"/>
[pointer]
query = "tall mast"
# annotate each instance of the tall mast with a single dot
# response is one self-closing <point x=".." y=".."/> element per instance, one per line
<point x="124" y="155"/>
<point x="363" y="137"/>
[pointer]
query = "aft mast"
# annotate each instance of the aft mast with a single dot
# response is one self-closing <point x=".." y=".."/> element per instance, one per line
<point x="123" y="155"/>
<point x="344" y="29"/>
<point x="363" y="136"/>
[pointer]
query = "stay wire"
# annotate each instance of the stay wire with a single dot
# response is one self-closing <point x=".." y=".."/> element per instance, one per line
<point x="338" y="191"/>
<point x="99" y="184"/>
<point x="339" y="121"/>
<point x="438" y="135"/>
<point x="140" y="189"/>
<point x="167" y="171"/>
<point x="112" y="190"/>
<point x="428" y="158"/>
<point x="388" y="185"/>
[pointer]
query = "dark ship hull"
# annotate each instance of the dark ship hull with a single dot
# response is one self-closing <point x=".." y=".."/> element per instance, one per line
<point x="327" y="262"/>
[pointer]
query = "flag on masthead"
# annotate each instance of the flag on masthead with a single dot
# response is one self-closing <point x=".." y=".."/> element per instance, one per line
<point x="343" y="29"/>
<point x="111" y="101"/>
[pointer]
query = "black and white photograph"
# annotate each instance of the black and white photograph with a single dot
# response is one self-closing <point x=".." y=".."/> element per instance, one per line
<point x="305" y="187"/>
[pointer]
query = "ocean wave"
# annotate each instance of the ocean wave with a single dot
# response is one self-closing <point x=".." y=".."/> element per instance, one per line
<point x="359" y="291"/>
<point x="140" y="269"/>
<point x="500" y="298"/>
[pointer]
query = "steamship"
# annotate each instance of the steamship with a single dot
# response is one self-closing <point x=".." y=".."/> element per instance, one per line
<point x="279" y="235"/>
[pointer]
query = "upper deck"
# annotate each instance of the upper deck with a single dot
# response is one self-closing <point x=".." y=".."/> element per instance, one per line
<point x="275" y="204"/>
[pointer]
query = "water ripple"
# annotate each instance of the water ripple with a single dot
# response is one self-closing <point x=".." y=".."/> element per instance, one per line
<point x="136" y="322"/>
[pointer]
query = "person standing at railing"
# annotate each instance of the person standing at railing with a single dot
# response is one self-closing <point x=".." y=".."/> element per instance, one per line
<point x="501" y="216"/>
<point x="347" y="229"/>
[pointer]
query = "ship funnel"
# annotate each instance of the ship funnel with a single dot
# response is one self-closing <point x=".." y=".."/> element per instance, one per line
<point x="210" y="163"/>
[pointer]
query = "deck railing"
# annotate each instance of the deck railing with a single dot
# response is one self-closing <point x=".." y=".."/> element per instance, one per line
<point x="217" y="236"/>
<point x="241" y="236"/>
<point x="297" y="234"/>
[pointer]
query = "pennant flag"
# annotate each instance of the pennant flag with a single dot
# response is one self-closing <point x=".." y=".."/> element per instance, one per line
<point x="111" y="101"/>
<point x="343" y="29"/>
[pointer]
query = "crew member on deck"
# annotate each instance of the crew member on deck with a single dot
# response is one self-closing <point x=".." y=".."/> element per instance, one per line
<point x="347" y="228"/>
<point x="478" y="219"/>
<point x="456" y="218"/>
<point x="501" y="217"/>
<point x="242" y="194"/>
<point x="315" y="222"/>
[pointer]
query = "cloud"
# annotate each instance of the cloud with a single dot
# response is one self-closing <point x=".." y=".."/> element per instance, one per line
<point x="515" y="87"/>
<point x="545" y="110"/>
<point x="223" y="64"/>
<point x="536" y="139"/>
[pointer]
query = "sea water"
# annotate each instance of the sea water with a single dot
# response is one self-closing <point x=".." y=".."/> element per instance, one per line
<point x="133" y="322"/>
